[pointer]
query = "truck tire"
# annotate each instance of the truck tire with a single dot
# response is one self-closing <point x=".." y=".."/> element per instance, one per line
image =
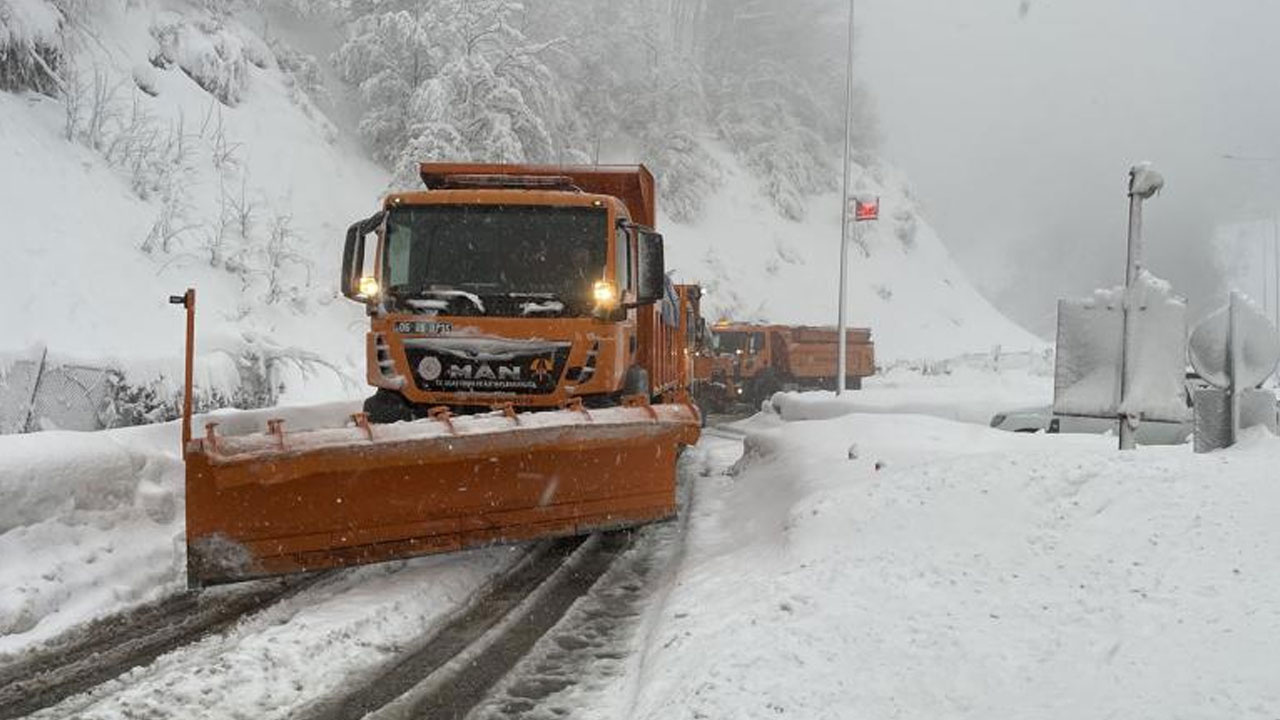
<point x="710" y="397"/>
<point x="764" y="386"/>
<point x="853" y="383"/>
<point x="636" y="382"/>
<point x="385" y="407"/>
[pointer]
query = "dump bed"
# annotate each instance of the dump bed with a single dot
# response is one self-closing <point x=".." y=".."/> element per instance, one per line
<point x="812" y="352"/>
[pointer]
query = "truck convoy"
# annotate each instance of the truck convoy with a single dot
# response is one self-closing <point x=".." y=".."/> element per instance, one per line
<point x="498" y="291"/>
<point x="749" y="363"/>
<point x="532" y="367"/>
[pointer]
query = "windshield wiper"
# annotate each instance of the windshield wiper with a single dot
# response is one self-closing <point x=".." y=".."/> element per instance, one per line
<point x="444" y="296"/>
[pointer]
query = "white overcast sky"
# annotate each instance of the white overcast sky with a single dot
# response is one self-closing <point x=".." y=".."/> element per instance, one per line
<point x="1018" y="128"/>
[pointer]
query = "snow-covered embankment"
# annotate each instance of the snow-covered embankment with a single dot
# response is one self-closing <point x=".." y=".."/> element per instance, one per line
<point x="975" y="574"/>
<point x="91" y="523"/>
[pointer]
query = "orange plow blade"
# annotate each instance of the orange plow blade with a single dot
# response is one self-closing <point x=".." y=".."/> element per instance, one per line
<point x="282" y="502"/>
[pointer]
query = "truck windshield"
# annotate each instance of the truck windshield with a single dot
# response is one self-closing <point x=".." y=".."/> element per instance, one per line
<point x="732" y="342"/>
<point x="508" y="260"/>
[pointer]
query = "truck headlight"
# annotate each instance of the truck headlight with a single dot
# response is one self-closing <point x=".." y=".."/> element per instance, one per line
<point x="605" y="293"/>
<point x="369" y="287"/>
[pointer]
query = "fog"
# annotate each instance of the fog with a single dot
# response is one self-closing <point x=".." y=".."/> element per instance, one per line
<point x="1017" y="121"/>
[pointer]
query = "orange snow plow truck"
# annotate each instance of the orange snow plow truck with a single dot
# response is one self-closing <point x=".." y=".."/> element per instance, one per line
<point x="498" y="291"/>
<point x="756" y="361"/>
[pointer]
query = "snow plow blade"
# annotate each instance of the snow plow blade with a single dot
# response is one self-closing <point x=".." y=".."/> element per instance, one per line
<point x="278" y="502"/>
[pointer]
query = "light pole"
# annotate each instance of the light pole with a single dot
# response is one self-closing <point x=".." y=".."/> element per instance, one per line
<point x="842" y="323"/>
<point x="1143" y="184"/>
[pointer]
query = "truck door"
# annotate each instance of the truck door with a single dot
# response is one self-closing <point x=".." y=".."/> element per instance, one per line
<point x="755" y="358"/>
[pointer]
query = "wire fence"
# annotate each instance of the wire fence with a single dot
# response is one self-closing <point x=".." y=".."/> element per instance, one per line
<point x="39" y="391"/>
<point x="1034" y="362"/>
<point x="36" y="394"/>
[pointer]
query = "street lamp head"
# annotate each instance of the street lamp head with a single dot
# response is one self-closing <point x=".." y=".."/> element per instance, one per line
<point x="1144" y="182"/>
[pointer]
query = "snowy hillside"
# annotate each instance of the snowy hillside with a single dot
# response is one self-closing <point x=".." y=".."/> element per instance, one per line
<point x="181" y="152"/>
<point x="903" y="282"/>
<point x="188" y="146"/>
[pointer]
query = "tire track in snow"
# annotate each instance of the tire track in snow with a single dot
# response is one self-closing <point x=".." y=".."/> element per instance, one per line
<point x="583" y="597"/>
<point x="450" y="673"/>
<point x="109" y="647"/>
<point x="582" y="665"/>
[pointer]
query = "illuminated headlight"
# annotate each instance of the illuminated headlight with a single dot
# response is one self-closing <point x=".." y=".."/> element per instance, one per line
<point x="605" y="293"/>
<point x="369" y="287"/>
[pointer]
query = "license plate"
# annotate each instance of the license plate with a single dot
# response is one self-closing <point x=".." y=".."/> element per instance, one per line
<point x="424" y="328"/>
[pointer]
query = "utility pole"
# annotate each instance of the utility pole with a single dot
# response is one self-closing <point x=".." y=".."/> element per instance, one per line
<point x="842" y="323"/>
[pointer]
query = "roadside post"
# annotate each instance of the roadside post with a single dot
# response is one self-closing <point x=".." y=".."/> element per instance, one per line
<point x="188" y="302"/>
<point x="1143" y="184"/>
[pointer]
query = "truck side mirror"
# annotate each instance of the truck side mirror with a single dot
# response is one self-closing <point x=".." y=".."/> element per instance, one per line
<point x="652" y="269"/>
<point x="353" y="256"/>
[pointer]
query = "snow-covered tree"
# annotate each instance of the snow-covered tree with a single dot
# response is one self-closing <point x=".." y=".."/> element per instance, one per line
<point x="31" y="47"/>
<point x="634" y="89"/>
<point x="777" y="90"/>
<point x="455" y="79"/>
<point x="387" y="56"/>
<point x="575" y="80"/>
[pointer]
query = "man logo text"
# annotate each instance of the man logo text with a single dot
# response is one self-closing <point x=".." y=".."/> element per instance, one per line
<point x="483" y="372"/>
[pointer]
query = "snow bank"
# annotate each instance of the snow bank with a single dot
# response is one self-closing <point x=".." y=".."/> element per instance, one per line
<point x="977" y="574"/>
<point x="91" y="523"/>
<point x="88" y="523"/>
<point x="43" y="475"/>
<point x="964" y="389"/>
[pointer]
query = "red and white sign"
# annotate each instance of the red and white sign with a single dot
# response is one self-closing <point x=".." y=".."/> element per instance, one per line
<point x="866" y="209"/>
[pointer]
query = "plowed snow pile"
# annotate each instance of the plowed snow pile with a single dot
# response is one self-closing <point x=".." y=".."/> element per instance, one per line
<point x="978" y="574"/>
<point x="91" y="523"/>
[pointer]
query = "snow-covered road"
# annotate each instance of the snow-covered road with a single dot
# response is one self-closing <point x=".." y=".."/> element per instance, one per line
<point x="864" y="563"/>
<point x="97" y="535"/>
<point x="321" y="641"/>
